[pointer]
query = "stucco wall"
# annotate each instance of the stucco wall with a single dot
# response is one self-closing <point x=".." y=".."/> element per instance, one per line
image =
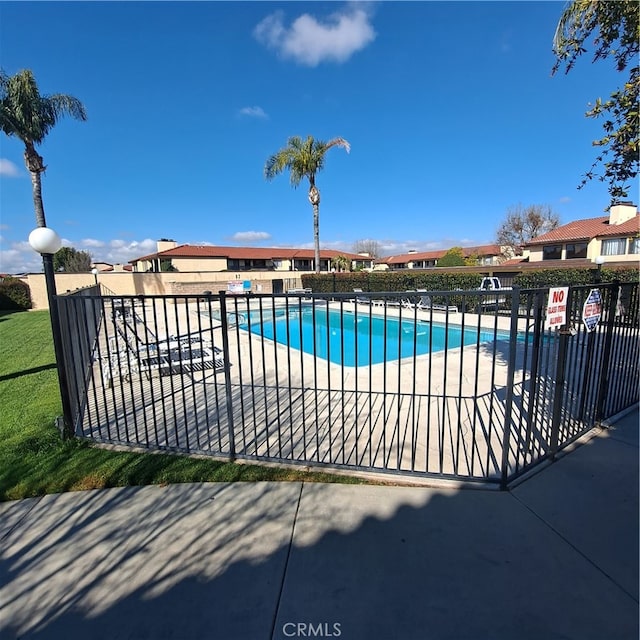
<point x="170" y="283"/>
<point x="593" y="251"/>
<point x="199" y="264"/>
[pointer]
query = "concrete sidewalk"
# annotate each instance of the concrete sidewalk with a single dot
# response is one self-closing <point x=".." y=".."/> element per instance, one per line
<point x="556" y="557"/>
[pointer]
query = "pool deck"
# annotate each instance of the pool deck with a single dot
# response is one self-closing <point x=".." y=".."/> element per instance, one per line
<point x="314" y="412"/>
<point x="555" y="557"/>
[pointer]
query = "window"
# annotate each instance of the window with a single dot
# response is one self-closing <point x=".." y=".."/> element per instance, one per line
<point x="233" y="264"/>
<point x="614" y="247"/>
<point x="552" y="252"/>
<point x="576" y="250"/>
<point x="166" y="265"/>
<point x="634" y="245"/>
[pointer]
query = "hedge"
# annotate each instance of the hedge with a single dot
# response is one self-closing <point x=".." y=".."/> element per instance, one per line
<point x="563" y="277"/>
<point x="405" y="280"/>
<point x="442" y="280"/>
<point x="14" y="295"/>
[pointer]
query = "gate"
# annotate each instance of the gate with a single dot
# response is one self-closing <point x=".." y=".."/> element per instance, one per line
<point x="463" y="385"/>
<point x="572" y="378"/>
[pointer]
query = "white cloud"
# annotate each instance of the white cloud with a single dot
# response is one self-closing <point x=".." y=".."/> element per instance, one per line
<point x="253" y="112"/>
<point x="250" y="236"/>
<point x="309" y="41"/>
<point x="120" y="251"/>
<point x="88" y="243"/>
<point x="21" y="258"/>
<point x="399" y="247"/>
<point x="8" y="169"/>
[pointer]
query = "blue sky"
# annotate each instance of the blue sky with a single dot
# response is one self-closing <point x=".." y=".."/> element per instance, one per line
<point x="450" y="108"/>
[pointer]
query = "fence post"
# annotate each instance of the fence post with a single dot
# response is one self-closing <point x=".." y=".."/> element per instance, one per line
<point x="511" y="367"/>
<point x="606" y="355"/>
<point x="67" y="423"/>
<point x="227" y="373"/>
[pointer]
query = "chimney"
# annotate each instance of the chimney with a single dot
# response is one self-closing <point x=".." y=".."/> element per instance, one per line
<point x="165" y="244"/>
<point x="621" y="212"/>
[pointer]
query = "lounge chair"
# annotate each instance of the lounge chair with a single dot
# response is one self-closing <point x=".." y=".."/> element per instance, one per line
<point x="303" y="292"/>
<point x="186" y="359"/>
<point x="130" y="352"/>
<point x="407" y="302"/>
<point x="360" y="299"/>
<point x="425" y="304"/>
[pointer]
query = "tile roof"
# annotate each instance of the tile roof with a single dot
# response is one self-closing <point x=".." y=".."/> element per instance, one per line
<point x="588" y="229"/>
<point x="512" y="261"/>
<point x="245" y="253"/>
<point x="482" y="250"/>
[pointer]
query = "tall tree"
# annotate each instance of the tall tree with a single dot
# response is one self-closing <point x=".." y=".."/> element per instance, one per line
<point x="453" y="258"/>
<point x="615" y="27"/>
<point x="303" y="159"/>
<point x="525" y="223"/>
<point x="29" y="116"/>
<point x="372" y="247"/>
<point x="71" y="260"/>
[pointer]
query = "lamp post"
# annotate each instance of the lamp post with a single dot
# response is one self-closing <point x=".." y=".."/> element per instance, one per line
<point x="46" y="242"/>
<point x="95" y="275"/>
<point x="599" y="262"/>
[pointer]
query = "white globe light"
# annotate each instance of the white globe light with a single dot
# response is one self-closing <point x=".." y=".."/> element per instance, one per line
<point x="44" y="240"/>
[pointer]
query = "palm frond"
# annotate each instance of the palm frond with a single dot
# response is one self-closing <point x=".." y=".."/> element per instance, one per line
<point x="302" y="158"/>
<point x="339" y="142"/>
<point x="27" y="114"/>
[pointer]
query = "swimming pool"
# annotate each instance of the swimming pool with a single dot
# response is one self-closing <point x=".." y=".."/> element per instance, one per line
<point x="343" y="339"/>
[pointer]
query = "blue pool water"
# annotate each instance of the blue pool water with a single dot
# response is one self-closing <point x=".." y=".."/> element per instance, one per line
<point x="336" y="338"/>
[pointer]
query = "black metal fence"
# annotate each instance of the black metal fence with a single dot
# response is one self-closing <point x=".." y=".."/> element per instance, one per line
<point x="468" y="385"/>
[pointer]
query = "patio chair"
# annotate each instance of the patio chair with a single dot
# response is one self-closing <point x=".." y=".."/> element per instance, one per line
<point x="407" y="302"/>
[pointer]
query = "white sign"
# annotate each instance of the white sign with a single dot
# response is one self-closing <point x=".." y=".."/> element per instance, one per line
<point x="234" y="286"/>
<point x="592" y="310"/>
<point x="556" y="307"/>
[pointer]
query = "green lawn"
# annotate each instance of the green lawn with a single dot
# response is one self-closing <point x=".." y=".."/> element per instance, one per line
<point x="35" y="461"/>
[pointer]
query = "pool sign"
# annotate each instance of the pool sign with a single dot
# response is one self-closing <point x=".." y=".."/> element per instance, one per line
<point x="592" y="310"/>
<point x="556" y="307"/>
<point x="235" y="286"/>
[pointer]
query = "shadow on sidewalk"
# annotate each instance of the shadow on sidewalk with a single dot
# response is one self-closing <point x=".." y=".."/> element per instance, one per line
<point x="215" y="561"/>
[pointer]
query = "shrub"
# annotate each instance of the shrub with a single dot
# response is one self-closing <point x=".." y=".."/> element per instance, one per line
<point x="14" y="295"/>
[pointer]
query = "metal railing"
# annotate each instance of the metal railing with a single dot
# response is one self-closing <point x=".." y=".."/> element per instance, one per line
<point x="465" y="385"/>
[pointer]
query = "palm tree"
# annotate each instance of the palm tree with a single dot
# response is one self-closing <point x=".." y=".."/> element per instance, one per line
<point x="29" y="116"/>
<point x="341" y="263"/>
<point x="303" y="159"/>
